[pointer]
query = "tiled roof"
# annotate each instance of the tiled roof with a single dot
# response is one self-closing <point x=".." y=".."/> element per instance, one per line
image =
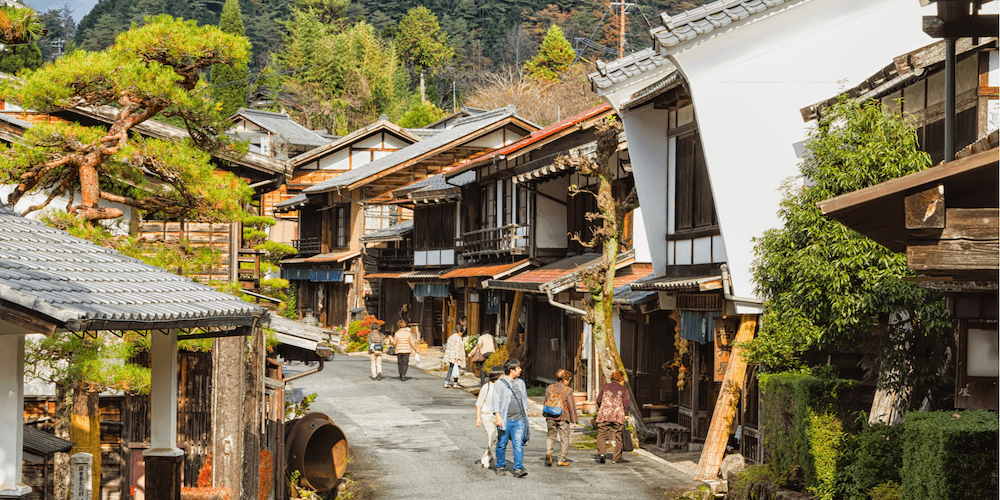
<point x="491" y="270"/>
<point x="628" y="274"/>
<point x="464" y="127"/>
<point x="702" y="20"/>
<point x="670" y="283"/>
<point x="626" y="296"/>
<point x="533" y="280"/>
<point x="84" y="287"/>
<point x="282" y="125"/>
<point x="295" y="202"/>
<point x="333" y="257"/>
<point x="438" y="185"/>
<point x="627" y="67"/>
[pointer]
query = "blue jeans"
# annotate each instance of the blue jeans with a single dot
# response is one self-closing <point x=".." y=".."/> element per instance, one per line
<point x="452" y="374"/>
<point x="514" y="431"/>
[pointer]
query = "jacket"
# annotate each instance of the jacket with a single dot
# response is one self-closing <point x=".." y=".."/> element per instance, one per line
<point x="454" y="352"/>
<point x="502" y="397"/>
<point x="486" y="344"/>
<point x="569" y="405"/>
<point x="403" y="340"/>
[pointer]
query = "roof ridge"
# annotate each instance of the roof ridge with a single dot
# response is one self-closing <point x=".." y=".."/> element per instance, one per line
<point x="509" y="109"/>
<point x="275" y="114"/>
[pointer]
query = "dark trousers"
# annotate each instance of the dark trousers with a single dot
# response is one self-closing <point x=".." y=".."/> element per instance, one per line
<point x="484" y="375"/>
<point x="402" y="362"/>
<point x="609" y="431"/>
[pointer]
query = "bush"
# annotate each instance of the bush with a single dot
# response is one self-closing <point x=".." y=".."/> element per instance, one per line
<point x="872" y="458"/>
<point x="950" y="455"/>
<point x="886" y="491"/>
<point x="753" y="474"/>
<point x="496" y="359"/>
<point x="536" y="390"/>
<point x="357" y="333"/>
<point x="803" y="415"/>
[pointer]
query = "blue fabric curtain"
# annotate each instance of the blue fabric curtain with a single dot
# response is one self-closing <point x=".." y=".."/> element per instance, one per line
<point x="698" y="326"/>
<point x="421" y="290"/>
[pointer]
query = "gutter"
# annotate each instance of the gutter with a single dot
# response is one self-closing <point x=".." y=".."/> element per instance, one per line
<point x="348" y="197"/>
<point x="560" y="305"/>
<point x="727" y="289"/>
<point x="303" y="374"/>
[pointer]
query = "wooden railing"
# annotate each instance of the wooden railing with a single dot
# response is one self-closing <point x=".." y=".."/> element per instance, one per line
<point x="512" y="238"/>
<point x="307" y="245"/>
<point x="395" y="257"/>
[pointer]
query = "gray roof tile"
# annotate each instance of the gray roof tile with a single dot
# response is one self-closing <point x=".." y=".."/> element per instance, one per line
<point x="627" y="67"/>
<point x="463" y="127"/>
<point x="82" y="286"/>
<point x="705" y="19"/>
<point x="280" y="124"/>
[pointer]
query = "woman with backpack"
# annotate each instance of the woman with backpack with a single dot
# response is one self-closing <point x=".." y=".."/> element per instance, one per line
<point x="560" y="414"/>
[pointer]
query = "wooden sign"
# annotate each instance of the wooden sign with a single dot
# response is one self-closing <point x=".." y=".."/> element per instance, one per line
<point x="725" y="336"/>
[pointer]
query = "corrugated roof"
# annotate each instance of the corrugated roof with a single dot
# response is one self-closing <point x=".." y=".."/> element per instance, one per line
<point x="533" y="280"/>
<point x="386" y="274"/>
<point x="671" y="283"/>
<point x="333" y="257"/>
<point x="83" y="287"/>
<point x="440" y="185"/>
<point x="628" y="274"/>
<point x="282" y="125"/>
<point x="630" y="66"/>
<point x="295" y="333"/>
<point x="464" y="127"/>
<point x="491" y="270"/>
<point x="626" y="296"/>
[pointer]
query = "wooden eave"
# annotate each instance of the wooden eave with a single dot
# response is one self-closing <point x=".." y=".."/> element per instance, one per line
<point x="433" y="161"/>
<point x="878" y="211"/>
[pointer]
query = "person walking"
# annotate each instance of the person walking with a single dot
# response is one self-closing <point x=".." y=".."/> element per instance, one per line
<point x="376" y="341"/>
<point x="454" y="355"/>
<point x="510" y="411"/>
<point x="561" y="394"/>
<point x="484" y="416"/>
<point x="612" y="401"/>
<point x="405" y="345"/>
<point x="486" y="346"/>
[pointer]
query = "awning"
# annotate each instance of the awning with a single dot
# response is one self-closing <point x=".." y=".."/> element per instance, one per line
<point x="558" y="275"/>
<point x="297" y="334"/>
<point x="424" y="274"/>
<point x="675" y="284"/>
<point x="396" y="232"/>
<point x="332" y="257"/>
<point x="627" y="274"/>
<point x="494" y="271"/>
<point x="292" y="204"/>
<point x="40" y="444"/>
<point x="625" y="296"/>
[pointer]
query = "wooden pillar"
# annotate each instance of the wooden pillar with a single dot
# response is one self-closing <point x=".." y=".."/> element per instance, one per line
<point x="472" y="308"/>
<point x="227" y="402"/>
<point x="163" y="459"/>
<point x="12" y="416"/>
<point x="725" y="405"/>
<point x="515" y="312"/>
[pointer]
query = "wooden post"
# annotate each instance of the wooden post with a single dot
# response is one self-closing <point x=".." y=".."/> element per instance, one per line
<point x="228" y="392"/>
<point x="515" y="311"/>
<point x="12" y="413"/>
<point x="725" y="406"/>
<point x="163" y="459"/>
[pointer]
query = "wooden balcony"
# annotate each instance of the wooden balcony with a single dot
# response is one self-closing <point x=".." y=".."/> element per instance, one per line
<point x="307" y="246"/>
<point x="393" y="258"/>
<point x="509" y="239"/>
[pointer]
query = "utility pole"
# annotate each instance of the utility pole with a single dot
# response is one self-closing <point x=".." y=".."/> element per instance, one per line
<point x="58" y="45"/>
<point x="621" y="27"/>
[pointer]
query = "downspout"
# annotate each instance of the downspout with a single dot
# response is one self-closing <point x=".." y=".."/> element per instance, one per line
<point x="590" y="355"/>
<point x="727" y="289"/>
<point x="303" y="374"/>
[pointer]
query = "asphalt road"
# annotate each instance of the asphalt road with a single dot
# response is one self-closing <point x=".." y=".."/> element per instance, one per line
<point x="418" y="440"/>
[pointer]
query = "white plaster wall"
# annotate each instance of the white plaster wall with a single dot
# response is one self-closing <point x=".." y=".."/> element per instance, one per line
<point x="550" y="217"/>
<point x="993" y="113"/>
<point x="748" y="85"/>
<point x="374" y="141"/>
<point x="645" y="129"/>
<point x="394" y="142"/>
<point x="616" y="323"/>
<point x="639" y="241"/>
<point x="335" y="161"/>
<point x="118" y="226"/>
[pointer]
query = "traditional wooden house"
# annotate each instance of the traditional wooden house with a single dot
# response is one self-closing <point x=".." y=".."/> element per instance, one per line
<point x="275" y="134"/>
<point x="712" y="123"/>
<point x="56" y="284"/>
<point x="330" y="276"/>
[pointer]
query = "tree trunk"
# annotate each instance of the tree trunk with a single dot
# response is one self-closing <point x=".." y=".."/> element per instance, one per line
<point x="886" y="408"/>
<point x="252" y="414"/>
<point x="85" y="430"/>
<point x="228" y="393"/>
<point x="63" y="429"/>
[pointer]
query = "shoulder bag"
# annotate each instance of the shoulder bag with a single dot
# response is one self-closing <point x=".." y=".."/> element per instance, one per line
<point x="553" y="407"/>
<point x="477" y="356"/>
<point x="524" y="414"/>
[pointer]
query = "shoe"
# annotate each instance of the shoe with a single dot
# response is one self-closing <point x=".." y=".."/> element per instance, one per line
<point x="402" y="379"/>
<point x="622" y="461"/>
<point x="485" y="466"/>
<point x="379" y="377"/>
<point x="600" y="458"/>
<point x="563" y="464"/>
<point x="520" y="473"/>
<point x="500" y="471"/>
<point x="446" y="386"/>
<point x="548" y="460"/>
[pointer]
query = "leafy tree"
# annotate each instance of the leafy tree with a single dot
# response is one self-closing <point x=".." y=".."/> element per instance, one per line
<point x="230" y="81"/>
<point x="554" y="57"/>
<point x="18" y="57"/>
<point x="61" y="29"/>
<point x="825" y="285"/>
<point x="150" y="71"/>
<point x="421" y="41"/>
<point x="421" y="114"/>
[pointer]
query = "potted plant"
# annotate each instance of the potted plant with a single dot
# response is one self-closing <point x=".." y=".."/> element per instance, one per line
<point x="421" y="345"/>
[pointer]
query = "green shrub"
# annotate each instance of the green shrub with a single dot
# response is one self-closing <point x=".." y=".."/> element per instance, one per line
<point x="886" y="491"/>
<point x="872" y="458"/>
<point x="803" y="415"/>
<point x="758" y="473"/>
<point x="950" y="455"/>
<point x="536" y="390"/>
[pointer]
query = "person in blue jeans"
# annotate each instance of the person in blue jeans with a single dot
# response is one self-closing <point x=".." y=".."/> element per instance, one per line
<point x="510" y="406"/>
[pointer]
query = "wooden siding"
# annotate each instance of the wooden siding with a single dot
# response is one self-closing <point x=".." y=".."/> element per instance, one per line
<point x="199" y="234"/>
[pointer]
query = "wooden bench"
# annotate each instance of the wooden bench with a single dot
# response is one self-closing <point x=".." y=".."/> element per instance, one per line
<point x="670" y="435"/>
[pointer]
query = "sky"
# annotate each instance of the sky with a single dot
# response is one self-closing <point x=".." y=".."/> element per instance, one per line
<point x="80" y="7"/>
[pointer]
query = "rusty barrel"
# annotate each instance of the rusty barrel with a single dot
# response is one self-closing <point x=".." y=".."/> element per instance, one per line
<point x="317" y="448"/>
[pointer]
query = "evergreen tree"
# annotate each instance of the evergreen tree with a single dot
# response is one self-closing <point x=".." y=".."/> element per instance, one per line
<point x="554" y="57"/>
<point x="421" y="41"/>
<point x="230" y="81"/>
<point x="61" y="29"/>
<point x="18" y="57"/>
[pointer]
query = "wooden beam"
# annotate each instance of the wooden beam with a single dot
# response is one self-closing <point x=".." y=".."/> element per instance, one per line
<point x="515" y="312"/>
<point x="725" y="405"/>
<point x="25" y="318"/>
<point x="925" y="210"/>
<point x="973" y="26"/>
<point x="954" y="256"/>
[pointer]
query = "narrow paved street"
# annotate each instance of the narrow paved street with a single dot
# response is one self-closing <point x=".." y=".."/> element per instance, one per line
<point x="418" y="440"/>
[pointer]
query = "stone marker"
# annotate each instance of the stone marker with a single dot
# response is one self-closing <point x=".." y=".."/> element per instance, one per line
<point x="81" y="476"/>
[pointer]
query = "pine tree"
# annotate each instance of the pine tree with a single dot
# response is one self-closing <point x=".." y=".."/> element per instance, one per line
<point x="18" y="57"/>
<point x="554" y="57"/>
<point x="421" y="41"/>
<point x="230" y="81"/>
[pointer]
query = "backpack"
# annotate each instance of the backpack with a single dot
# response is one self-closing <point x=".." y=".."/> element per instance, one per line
<point x="554" y="405"/>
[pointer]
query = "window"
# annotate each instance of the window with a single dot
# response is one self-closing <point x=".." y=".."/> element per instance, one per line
<point x="695" y="207"/>
<point x="379" y="217"/>
<point x="508" y="201"/>
<point x="340" y="217"/>
<point x="434" y="227"/>
<point x="522" y="205"/>
<point x="489" y="207"/>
